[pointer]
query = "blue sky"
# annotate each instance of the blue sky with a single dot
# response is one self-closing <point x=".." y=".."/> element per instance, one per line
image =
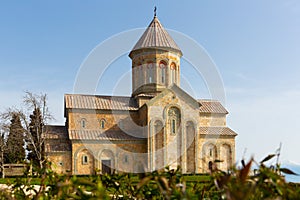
<point x="255" y="45"/>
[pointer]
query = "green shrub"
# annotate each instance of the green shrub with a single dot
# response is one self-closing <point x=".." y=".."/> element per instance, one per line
<point x="265" y="183"/>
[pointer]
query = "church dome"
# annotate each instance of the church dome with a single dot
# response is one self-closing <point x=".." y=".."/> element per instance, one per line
<point x="156" y="37"/>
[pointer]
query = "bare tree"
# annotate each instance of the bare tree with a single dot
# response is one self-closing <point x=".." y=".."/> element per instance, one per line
<point x="33" y="119"/>
<point x="34" y="125"/>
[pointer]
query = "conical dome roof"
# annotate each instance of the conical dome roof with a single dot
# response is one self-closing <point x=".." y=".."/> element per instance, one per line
<point x="156" y="36"/>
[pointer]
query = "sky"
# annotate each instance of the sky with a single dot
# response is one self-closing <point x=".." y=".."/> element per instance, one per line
<point x="254" y="44"/>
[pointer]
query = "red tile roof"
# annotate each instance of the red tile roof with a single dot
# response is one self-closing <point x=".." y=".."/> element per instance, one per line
<point x="222" y="131"/>
<point x="99" y="135"/>
<point x="211" y="106"/>
<point x="100" y="102"/>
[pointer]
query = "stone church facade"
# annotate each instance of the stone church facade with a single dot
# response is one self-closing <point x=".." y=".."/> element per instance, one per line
<point x="158" y="125"/>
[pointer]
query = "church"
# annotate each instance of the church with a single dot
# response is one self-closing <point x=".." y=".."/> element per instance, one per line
<point x="158" y="125"/>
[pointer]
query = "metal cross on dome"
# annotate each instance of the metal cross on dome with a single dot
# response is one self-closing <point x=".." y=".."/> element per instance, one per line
<point x="154" y="11"/>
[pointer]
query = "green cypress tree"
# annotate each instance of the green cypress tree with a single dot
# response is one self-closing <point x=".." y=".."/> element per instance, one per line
<point x="35" y="142"/>
<point x="14" y="151"/>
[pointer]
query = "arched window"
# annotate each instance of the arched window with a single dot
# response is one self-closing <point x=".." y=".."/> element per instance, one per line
<point x="150" y="72"/>
<point x="173" y="126"/>
<point x="102" y="123"/>
<point x="140" y="75"/>
<point x="173" y="73"/>
<point x="162" y="66"/>
<point x="125" y="159"/>
<point x="211" y="152"/>
<point x="85" y="159"/>
<point x="174" y="120"/>
<point x="134" y="78"/>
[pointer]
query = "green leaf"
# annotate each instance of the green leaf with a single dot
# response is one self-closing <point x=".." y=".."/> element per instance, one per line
<point x="267" y="158"/>
<point x="288" y="171"/>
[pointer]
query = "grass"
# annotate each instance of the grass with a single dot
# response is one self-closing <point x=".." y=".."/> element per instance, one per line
<point x="13" y="180"/>
<point x="199" y="178"/>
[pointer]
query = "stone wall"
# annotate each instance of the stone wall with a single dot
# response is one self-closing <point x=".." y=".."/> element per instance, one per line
<point x="216" y="144"/>
<point x="124" y="156"/>
<point x="208" y="119"/>
<point x="61" y="161"/>
<point x="112" y="120"/>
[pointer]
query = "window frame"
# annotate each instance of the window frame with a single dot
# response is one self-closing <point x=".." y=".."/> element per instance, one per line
<point x="85" y="159"/>
<point x="102" y="123"/>
<point x="163" y="66"/>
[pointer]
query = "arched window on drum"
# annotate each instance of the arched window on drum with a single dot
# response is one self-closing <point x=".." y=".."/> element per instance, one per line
<point x="150" y="72"/>
<point x="173" y="73"/>
<point x="162" y="68"/>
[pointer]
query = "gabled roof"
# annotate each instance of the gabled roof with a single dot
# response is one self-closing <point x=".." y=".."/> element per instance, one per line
<point x="217" y="131"/>
<point x="122" y="103"/>
<point x="111" y="135"/>
<point x="179" y="92"/>
<point x="79" y="101"/>
<point x="156" y="36"/>
<point x="211" y="106"/>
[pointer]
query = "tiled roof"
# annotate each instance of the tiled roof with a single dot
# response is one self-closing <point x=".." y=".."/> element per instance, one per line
<point x="210" y="106"/>
<point x="99" y="135"/>
<point x="100" y="102"/>
<point x="214" y="131"/>
<point x="56" y="132"/>
<point x="78" y="101"/>
<point x="156" y="36"/>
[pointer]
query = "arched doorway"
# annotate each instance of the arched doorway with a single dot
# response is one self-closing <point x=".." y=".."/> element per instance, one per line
<point x="107" y="161"/>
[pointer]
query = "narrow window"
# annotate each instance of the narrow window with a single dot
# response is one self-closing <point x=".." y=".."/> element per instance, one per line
<point x="102" y="123"/>
<point x="125" y="159"/>
<point x="210" y="152"/>
<point x="162" y="66"/>
<point x="85" y="159"/>
<point x="150" y="72"/>
<point x="173" y="126"/>
<point x="173" y="73"/>
<point x="174" y="120"/>
<point x="140" y="69"/>
<point x="163" y="75"/>
<point x="83" y="123"/>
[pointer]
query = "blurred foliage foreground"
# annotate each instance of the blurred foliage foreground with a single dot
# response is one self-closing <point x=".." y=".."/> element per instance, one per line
<point x="238" y="184"/>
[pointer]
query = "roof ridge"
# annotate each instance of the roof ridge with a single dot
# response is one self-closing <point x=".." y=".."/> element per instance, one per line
<point x="209" y="100"/>
<point x="96" y="95"/>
